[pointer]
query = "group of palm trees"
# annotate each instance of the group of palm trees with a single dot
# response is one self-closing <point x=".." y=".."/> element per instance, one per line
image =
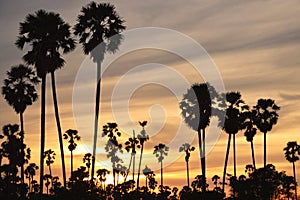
<point x="98" y="29"/>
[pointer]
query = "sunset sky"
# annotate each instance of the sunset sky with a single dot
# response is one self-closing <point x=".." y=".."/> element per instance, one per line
<point x="254" y="46"/>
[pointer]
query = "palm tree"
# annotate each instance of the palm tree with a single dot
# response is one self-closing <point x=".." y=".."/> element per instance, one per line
<point x="143" y="137"/>
<point x="215" y="180"/>
<point x="72" y="136"/>
<point x="30" y="172"/>
<point x="19" y="92"/>
<point x="234" y="120"/>
<point x="160" y="151"/>
<point x="265" y="117"/>
<point x="50" y="157"/>
<point x="97" y="23"/>
<point x="49" y="37"/>
<point x="101" y="174"/>
<point x="250" y="132"/>
<point x="291" y="151"/>
<point x="187" y="149"/>
<point x="197" y="107"/>
<point x="112" y="146"/>
<point x="87" y="160"/>
<point x="131" y="145"/>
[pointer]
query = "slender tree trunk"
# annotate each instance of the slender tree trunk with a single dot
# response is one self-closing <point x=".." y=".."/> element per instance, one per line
<point x="61" y="146"/>
<point x="265" y="149"/>
<point x="187" y="174"/>
<point x="226" y="161"/>
<point x="97" y="108"/>
<point x="128" y="170"/>
<point x="161" y="177"/>
<point x="71" y="165"/>
<point x="139" y="170"/>
<point x="203" y="162"/>
<point x="295" y="179"/>
<point x="114" y="176"/>
<point x="234" y="157"/>
<point x="50" y="172"/>
<point x="22" y="141"/>
<point x="253" y="154"/>
<point x="43" y="117"/>
<point x="200" y="149"/>
<point x="133" y="164"/>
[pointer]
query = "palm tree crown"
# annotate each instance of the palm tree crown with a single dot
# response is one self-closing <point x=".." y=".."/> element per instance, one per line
<point x="291" y="151"/>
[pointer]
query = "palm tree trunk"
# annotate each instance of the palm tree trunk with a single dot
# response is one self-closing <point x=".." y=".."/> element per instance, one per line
<point x="265" y="149"/>
<point x="294" y="171"/>
<point x="253" y="155"/>
<point x="234" y="156"/>
<point x="114" y="176"/>
<point x="43" y="117"/>
<point x="133" y="164"/>
<point x="203" y="162"/>
<point x="50" y="172"/>
<point x="226" y="161"/>
<point x="200" y="149"/>
<point x="139" y="170"/>
<point x="161" y="176"/>
<point x="187" y="174"/>
<point x="22" y="141"/>
<point x="128" y="170"/>
<point x="61" y="146"/>
<point x="97" y="106"/>
<point x="71" y="165"/>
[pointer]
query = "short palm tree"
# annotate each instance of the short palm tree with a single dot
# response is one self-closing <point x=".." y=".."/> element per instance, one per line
<point x="250" y="132"/>
<point x="30" y="172"/>
<point x="187" y="149"/>
<point x="19" y="92"/>
<point x="131" y="145"/>
<point x="72" y="136"/>
<point x="143" y="137"/>
<point x="160" y="151"/>
<point x="292" y="153"/>
<point x="49" y="155"/>
<point x="197" y="107"/>
<point x="234" y="120"/>
<point x="87" y="160"/>
<point x="101" y="174"/>
<point x="49" y="37"/>
<point x="96" y="24"/>
<point x="265" y="117"/>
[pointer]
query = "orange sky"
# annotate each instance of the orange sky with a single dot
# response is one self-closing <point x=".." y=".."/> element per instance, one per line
<point x="256" y="53"/>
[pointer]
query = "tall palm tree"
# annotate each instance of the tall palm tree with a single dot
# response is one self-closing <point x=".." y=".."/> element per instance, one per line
<point x="96" y="24"/>
<point x="87" y="160"/>
<point x="72" y="136"/>
<point x="113" y="147"/>
<point x="187" y="149"/>
<point x="233" y="123"/>
<point x="197" y="107"/>
<point x="160" y="151"/>
<point x="131" y="145"/>
<point x="49" y="37"/>
<point x="143" y="137"/>
<point x="19" y="92"/>
<point x="49" y="155"/>
<point x="250" y="132"/>
<point x="265" y="117"/>
<point x="291" y="151"/>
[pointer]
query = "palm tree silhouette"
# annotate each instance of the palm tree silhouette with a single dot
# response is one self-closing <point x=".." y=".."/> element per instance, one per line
<point x="87" y="160"/>
<point x="19" y="92"/>
<point x="30" y="172"/>
<point x="112" y="146"/>
<point x="160" y="151"/>
<point x="131" y="145"/>
<point x="265" y="117"/>
<point x="250" y="132"/>
<point x="197" y="107"/>
<point x="187" y="149"/>
<point x="49" y="36"/>
<point x="72" y="136"/>
<point x="291" y="151"/>
<point x="101" y="174"/>
<point x="97" y="23"/>
<point x="143" y="137"/>
<point x="49" y="155"/>
<point x="234" y="120"/>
